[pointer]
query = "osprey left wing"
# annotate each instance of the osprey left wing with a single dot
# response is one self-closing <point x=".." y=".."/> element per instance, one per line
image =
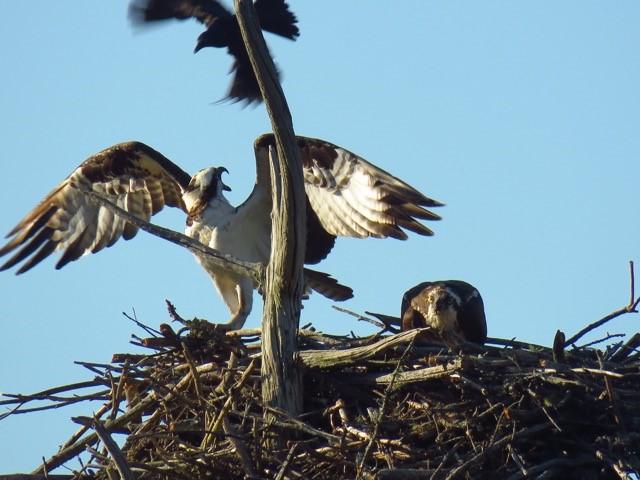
<point x="134" y="176"/>
<point x="351" y="197"/>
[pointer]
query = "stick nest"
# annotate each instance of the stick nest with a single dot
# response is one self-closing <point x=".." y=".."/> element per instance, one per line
<point x="384" y="406"/>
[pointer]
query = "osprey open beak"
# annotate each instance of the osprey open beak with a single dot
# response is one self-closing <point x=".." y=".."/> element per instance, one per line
<point x="222" y="170"/>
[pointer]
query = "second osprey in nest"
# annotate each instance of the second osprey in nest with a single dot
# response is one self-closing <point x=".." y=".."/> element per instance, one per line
<point x="346" y="196"/>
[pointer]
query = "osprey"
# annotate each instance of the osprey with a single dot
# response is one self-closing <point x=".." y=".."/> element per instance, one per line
<point x="453" y="308"/>
<point x="346" y="195"/>
<point x="223" y="31"/>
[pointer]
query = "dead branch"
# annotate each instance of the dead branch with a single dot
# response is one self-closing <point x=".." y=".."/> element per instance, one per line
<point x="110" y="445"/>
<point x="222" y="260"/>
<point x="338" y="358"/>
<point x="631" y="307"/>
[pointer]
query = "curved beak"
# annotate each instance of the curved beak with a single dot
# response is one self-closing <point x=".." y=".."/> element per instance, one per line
<point x="222" y="170"/>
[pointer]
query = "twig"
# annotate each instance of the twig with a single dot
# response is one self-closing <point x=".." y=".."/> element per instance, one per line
<point x="151" y="331"/>
<point x="62" y="402"/>
<point x="83" y="429"/>
<point x="612" y="397"/>
<point x="450" y="453"/>
<point x="360" y="318"/>
<point x="632" y="344"/>
<point x="632" y="293"/>
<point x="412" y="376"/>
<point x="174" y="314"/>
<point x="240" y="447"/>
<point x="287" y="461"/>
<point x="513" y="343"/>
<point x="525" y="432"/>
<point x="540" y="404"/>
<point x="381" y="413"/>
<point x="391" y="323"/>
<point x="49" y="393"/>
<point x="110" y="445"/>
<point x="134" y="413"/>
<point x="631" y="307"/>
<point x="73" y="450"/>
<point x="601" y="340"/>
<point x="290" y="423"/>
<point x="593" y="371"/>
<point x="227" y="404"/>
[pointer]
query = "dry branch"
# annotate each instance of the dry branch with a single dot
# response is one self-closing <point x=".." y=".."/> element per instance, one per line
<point x="340" y="358"/>
<point x="110" y="446"/>
<point x="631" y="307"/>
<point x="222" y="260"/>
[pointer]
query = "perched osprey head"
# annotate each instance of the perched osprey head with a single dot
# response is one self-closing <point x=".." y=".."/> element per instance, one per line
<point x="440" y="308"/>
<point x="453" y="308"/>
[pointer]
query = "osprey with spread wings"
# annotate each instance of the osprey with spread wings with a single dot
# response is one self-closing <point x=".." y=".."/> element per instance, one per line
<point x="346" y="196"/>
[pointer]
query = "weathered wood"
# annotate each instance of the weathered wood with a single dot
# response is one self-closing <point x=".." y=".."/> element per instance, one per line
<point x="339" y="358"/>
<point x="281" y="378"/>
<point x="413" y="376"/>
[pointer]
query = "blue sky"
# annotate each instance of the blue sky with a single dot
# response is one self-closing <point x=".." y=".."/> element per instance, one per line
<point x="522" y="117"/>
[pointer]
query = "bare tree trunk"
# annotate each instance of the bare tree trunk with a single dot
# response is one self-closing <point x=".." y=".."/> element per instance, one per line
<point x="281" y="378"/>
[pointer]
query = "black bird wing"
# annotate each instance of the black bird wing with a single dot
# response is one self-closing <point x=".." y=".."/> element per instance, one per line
<point x="244" y="84"/>
<point x="275" y="17"/>
<point x="348" y="196"/>
<point x="205" y="11"/>
<point x="223" y="31"/>
<point x="132" y="175"/>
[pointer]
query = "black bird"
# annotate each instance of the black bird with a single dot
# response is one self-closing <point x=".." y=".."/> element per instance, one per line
<point x="453" y="308"/>
<point x="223" y="31"/>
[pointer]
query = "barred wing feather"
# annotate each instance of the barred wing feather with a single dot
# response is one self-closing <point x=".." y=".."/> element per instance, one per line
<point x="132" y="175"/>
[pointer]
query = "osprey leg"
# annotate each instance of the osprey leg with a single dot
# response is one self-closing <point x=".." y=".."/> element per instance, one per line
<point x="237" y="293"/>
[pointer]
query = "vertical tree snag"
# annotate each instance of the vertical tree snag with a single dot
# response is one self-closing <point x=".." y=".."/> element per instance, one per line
<point x="281" y="379"/>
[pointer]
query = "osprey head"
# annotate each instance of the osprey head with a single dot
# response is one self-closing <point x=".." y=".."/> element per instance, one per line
<point x="437" y="307"/>
<point x="442" y="308"/>
<point x="208" y="182"/>
<point x="205" y="185"/>
<point x="451" y="307"/>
